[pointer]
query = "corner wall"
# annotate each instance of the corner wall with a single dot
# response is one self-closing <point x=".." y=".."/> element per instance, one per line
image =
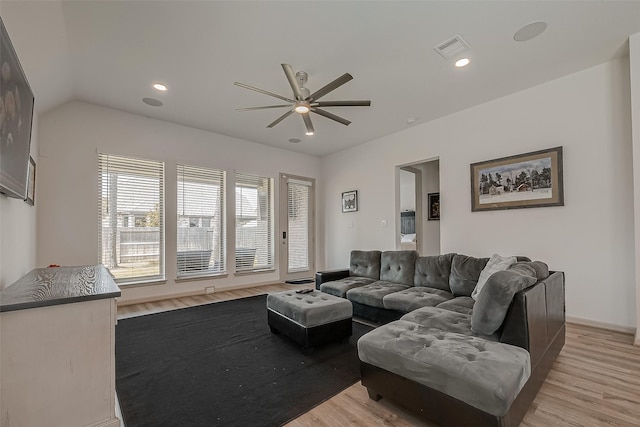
<point x="589" y="238"/>
<point x="71" y="137"/>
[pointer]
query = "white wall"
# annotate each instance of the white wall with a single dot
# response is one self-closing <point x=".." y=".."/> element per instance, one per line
<point x="407" y="191"/>
<point x="71" y="137"/>
<point x="634" y="59"/>
<point x="590" y="238"/>
<point x="18" y="219"/>
<point x="18" y="229"/>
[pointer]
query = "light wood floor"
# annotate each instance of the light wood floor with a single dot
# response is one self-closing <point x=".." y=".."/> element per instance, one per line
<point x="594" y="382"/>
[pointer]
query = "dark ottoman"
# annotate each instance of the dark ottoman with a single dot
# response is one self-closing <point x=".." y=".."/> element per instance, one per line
<point x="309" y="319"/>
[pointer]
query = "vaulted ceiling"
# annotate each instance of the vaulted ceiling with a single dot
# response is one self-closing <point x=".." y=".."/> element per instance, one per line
<point x="110" y="53"/>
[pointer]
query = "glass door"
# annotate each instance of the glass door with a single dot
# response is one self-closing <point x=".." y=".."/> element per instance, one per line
<point x="297" y="224"/>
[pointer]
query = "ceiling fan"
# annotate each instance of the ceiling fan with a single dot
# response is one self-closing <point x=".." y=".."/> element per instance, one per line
<point x="305" y="102"/>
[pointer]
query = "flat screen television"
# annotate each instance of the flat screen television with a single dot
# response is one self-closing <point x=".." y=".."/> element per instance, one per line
<point x="16" y="116"/>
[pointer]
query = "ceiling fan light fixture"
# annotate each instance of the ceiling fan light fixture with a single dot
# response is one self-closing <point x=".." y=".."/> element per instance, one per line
<point x="302" y="107"/>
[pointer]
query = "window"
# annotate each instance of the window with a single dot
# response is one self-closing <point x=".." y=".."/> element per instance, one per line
<point x="131" y="223"/>
<point x="201" y="226"/>
<point x="254" y="223"/>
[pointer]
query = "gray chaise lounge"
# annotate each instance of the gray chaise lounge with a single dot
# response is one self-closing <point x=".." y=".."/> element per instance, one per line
<point x="454" y="360"/>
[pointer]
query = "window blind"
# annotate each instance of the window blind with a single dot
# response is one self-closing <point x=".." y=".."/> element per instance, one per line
<point x="131" y="218"/>
<point x="201" y="242"/>
<point x="298" y="224"/>
<point x="254" y="223"/>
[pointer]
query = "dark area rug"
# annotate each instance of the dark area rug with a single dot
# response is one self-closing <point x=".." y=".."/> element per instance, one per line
<point x="219" y="365"/>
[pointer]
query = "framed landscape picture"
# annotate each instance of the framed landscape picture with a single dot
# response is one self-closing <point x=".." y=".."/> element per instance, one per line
<point x="350" y="201"/>
<point x="526" y="180"/>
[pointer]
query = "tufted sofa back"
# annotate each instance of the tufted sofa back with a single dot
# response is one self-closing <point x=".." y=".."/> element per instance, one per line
<point x="365" y="264"/>
<point x="433" y="271"/>
<point x="398" y="266"/>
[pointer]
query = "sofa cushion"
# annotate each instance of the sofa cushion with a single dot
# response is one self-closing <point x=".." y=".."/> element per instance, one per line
<point x="433" y="271"/>
<point x="465" y="271"/>
<point x="415" y="297"/>
<point x="365" y="264"/>
<point x="398" y="266"/>
<point x="495" y="297"/>
<point x="373" y="294"/>
<point x="485" y="374"/>
<point x="496" y="263"/>
<point x="441" y="319"/>
<point x="462" y="305"/>
<point x="340" y="287"/>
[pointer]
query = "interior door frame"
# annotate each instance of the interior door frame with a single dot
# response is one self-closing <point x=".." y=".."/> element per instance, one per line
<point x="283" y="225"/>
<point x="417" y="176"/>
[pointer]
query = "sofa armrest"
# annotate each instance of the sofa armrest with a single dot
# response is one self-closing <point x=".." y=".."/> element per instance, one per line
<point x="330" y="276"/>
<point x="536" y="316"/>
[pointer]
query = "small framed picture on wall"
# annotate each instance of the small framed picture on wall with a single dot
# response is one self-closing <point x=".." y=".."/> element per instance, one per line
<point x="350" y="201"/>
<point x="31" y="182"/>
<point x="434" y="206"/>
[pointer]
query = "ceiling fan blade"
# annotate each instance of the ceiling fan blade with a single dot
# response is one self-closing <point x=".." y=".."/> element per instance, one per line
<point x="331" y="86"/>
<point x="331" y="116"/>
<point x="281" y="118"/>
<point x="308" y="124"/>
<point x="291" y="76"/>
<point x="341" y="104"/>
<point x="263" y="91"/>
<point x="262" y="108"/>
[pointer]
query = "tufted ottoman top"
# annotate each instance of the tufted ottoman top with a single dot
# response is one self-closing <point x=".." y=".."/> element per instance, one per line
<point x="312" y="309"/>
<point x="485" y="374"/>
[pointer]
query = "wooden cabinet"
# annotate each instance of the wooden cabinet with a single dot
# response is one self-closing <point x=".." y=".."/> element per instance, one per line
<point x="57" y="349"/>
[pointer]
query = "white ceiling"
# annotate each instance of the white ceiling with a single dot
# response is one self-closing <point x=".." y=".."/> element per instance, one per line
<point x="110" y="52"/>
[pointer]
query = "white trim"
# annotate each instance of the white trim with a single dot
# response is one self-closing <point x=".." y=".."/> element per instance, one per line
<point x="603" y="325"/>
<point x="123" y="301"/>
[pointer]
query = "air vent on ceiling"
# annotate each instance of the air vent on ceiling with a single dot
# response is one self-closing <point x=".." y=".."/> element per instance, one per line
<point x="452" y="47"/>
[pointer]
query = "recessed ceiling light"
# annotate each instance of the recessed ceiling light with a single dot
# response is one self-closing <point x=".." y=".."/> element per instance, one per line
<point x="463" y="62"/>
<point x="152" y="101"/>
<point x="294" y="140"/>
<point x="411" y="120"/>
<point x="160" y="87"/>
<point x="530" y="31"/>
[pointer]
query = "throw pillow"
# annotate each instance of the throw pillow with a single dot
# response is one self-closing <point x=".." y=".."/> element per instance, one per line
<point x="465" y="271"/>
<point x="496" y="296"/>
<point x="496" y="263"/>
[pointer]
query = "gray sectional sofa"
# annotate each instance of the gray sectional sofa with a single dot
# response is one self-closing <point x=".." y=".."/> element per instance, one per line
<point x="454" y="359"/>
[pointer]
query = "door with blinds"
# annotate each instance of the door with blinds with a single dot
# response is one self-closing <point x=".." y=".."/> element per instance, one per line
<point x="297" y="225"/>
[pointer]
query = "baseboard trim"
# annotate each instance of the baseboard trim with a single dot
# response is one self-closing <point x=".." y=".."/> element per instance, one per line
<point x="603" y="325"/>
<point x="219" y="289"/>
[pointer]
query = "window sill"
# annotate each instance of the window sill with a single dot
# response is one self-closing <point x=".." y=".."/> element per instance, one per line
<point x="197" y="277"/>
<point x="251" y="272"/>
<point x="142" y="283"/>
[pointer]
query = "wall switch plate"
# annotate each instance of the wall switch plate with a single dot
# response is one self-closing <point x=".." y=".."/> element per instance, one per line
<point x="209" y="289"/>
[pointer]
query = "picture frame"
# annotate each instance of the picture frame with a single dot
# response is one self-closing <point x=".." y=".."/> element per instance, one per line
<point x="528" y="180"/>
<point x="434" y="206"/>
<point x="350" y="201"/>
<point x="31" y="182"/>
